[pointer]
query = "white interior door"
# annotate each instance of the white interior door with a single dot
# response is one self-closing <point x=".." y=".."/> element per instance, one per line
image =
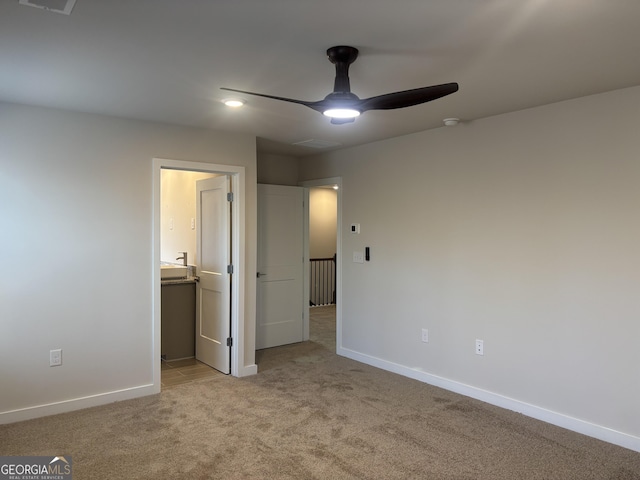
<point x="280" y="302"/>
<point x="213" y="292"/>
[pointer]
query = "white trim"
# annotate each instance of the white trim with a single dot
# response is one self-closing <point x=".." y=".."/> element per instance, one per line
<point x="320" y="183"/>
<point x="248" y="370"/>
<point x="306" y="268"/>
<point x="64" y="406"/>
<point x="570" y="423"/>
<point x="237" y="174"/>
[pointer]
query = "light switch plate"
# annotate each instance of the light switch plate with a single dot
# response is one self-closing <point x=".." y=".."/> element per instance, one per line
<point x="358" y="257"/>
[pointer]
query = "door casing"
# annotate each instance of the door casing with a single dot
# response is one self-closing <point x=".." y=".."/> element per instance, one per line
<point x="237" y="174"/>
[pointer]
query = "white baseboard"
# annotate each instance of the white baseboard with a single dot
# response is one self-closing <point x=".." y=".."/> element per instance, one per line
<point x="580" y="426"/>
<point x="248" y="370"/>
<point x="64" y="406"/>
<point x="29" y="413"/>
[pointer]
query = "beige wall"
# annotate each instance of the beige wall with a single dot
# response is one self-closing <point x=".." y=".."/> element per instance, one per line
<point x="521" y="230"/>
<point x="277" y="169"/>
<point x="323" y="211"/>
<point x="177" y="211"/>
<point x="76" y="202"/>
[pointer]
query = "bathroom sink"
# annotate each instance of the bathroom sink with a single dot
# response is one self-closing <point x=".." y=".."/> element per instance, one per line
<point x="172" y="271"/>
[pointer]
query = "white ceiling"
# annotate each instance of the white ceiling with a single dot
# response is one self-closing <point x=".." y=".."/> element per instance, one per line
<point x="164" y="60"/>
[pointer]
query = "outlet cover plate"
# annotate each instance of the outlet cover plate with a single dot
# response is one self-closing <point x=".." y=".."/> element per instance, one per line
<point x="55" y="357"/>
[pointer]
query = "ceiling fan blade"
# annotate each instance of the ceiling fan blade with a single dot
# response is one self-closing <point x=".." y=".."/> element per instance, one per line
<point x="343" y="103"/>
<point x="407" y="98"/>
<point x="318" y="106"/>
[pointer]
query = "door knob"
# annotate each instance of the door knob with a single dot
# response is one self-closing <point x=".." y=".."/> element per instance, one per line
<point x="261" y="275"/>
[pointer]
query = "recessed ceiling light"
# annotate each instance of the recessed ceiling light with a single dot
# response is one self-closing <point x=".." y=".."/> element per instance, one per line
<point x="233" y="102"/>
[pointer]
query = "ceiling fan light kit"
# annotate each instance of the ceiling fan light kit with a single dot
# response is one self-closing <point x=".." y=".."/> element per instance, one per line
<point x="341" y="113"/>
<point x="343" y="106"/>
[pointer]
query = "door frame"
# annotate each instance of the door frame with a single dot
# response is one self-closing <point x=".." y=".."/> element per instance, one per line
<point x="323" y="182"/>
<point x="237" y="175"/>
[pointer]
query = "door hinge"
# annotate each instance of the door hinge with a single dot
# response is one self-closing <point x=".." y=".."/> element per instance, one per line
<point x="229" y="268"/>
<point x="230" y="197"/>
<point x="229" y="342"/>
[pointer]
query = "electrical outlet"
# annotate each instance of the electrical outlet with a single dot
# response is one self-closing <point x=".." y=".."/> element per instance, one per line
<point x="425" y="335"/>
<point x="358" y="257"/>
<point x="479" y="347"/>
<point x="55" y="357"/>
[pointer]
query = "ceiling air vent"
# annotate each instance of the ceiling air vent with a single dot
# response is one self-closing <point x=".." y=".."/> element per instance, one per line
<point x="312" y="143"/>
<point x="58" y="6"/>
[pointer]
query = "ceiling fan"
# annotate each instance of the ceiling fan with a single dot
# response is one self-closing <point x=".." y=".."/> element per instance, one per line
<point x="343" y="106"/>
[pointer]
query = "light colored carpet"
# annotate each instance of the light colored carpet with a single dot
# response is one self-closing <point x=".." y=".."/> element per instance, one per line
<point x="310" y="414"/>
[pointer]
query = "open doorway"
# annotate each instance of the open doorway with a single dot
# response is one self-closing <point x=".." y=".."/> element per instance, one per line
<point x="180" y="267"/>
<point x="323" y="223"/>
<point x="324" y="280"/>
<point x="235" y="174"/>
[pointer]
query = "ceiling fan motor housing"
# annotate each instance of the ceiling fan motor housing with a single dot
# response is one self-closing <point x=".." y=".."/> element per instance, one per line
<point x="342" y="56"/>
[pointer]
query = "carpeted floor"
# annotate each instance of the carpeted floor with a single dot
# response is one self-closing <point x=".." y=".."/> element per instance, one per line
<point x="310" y="414"/>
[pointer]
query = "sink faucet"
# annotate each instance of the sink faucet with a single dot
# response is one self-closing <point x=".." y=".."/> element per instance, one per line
<point x="183" y="258"/>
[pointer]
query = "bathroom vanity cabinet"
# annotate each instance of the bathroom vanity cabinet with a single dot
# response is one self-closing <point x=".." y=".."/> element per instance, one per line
<point x="178" y="319"/>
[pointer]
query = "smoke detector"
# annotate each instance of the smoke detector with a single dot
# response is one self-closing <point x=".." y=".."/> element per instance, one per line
<point x="451" y="122"/>
<point x="58" y="6"/>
